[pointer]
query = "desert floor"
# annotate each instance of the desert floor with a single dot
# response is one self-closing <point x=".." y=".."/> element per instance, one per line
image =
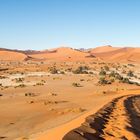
<point x="47" y="106"/>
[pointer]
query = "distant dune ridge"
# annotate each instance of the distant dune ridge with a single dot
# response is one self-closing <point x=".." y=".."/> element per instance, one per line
<point x="12" y="56"/>
<point x="107" y="53"/>
<point x="117" y="54"/>
<point x="103" y="49"/>
<point x="62" y="53"/>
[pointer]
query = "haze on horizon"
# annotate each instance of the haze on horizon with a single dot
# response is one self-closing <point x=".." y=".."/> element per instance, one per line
<point x="41" y="24"/>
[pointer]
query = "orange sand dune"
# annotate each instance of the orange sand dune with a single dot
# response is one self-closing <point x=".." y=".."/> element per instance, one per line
<point x="11" y="56"/>
<point x="120" y="55"/>
<point x="113" y="121"/>
<point x="107" y="53"/>
<point x="103" y="49"/>
<point x="62" y="53"/>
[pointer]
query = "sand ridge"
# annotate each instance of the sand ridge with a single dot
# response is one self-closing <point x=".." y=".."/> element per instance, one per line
<point x="106" y="53"/>
<point x="11" y="56"/>
<point x="114" y="121"/>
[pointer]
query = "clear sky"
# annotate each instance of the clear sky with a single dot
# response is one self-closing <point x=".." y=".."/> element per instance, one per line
<point x="43" y="24"/>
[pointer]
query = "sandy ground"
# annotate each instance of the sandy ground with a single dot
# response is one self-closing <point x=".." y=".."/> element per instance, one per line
<point x="59" y="132"/>
<point x="48" y="105"/>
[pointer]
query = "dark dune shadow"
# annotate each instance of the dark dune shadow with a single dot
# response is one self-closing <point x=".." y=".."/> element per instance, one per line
<point x="92" y="128"/>
<point x="134" y="114"/>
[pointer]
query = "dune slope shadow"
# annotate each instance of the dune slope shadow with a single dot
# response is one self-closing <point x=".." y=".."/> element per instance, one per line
<point x="92" y="128"/>
<point x="132" y="105"/>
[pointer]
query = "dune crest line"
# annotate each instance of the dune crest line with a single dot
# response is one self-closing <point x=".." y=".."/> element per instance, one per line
<point x="118" y="119"/>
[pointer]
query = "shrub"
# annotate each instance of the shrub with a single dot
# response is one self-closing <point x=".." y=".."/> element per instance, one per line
<point x="2" y="77"/>
<point x="81" y="70"/>
<point x="39" y="84"/>
<point x="103" y="81"/>
<point x="131" y="65"/>
<point x="130" y="74"/>
<point x="91" y="72"/>
<point x="116" y="75"/>
<point x="31" y="102"/>
<point x="30" y="94"/>
<point x="19" y="80"/>
<point x="126" y="80"/>
<point x="112" y="80"/>
<point x="62" y="72"/>
<point x="82" y="79"/>
<point x="1" y="94"/>
<point x="112" y="74"/>
<point x="53" y="70"/>
<point x="43" y="81"/>
<point x="76" y="85"/>
<point x="6" y="87"/>
<point x="102" y="72"/>
<point x="21" y="85"/>
<point x="104" y="92"/>
<point x="124" y="66"/>
<point x="119" y="77"/>
<point x="106" y="68"/>
<point x="69" y="69"/>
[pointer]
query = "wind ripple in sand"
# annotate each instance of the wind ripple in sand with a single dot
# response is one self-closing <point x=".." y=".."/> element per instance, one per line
<point x="118" y="119"/>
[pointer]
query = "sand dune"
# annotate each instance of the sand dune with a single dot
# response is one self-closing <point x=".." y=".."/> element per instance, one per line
<point x="117" y="120"/>
<point x="61" y="53"/>
<point x="11" y="55"/>
<point x="119" y="55"/>
<point x="95" y="126"/>
<point x="107" y="53"/>
<point x="104" y="49"/>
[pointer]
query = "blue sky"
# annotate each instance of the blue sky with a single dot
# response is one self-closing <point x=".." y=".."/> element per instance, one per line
<point x="43" y="24"/>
